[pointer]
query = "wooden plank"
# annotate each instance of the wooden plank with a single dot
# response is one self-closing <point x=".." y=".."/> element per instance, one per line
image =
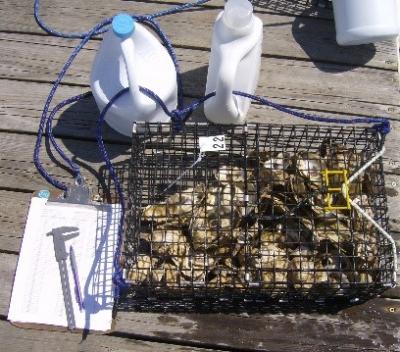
<point x="21" y="106"/>
<point x="295" y="83"/>
<point x="284" y="36"/>
<point x="16" y="339"/>
<point x="14" y="209"/>
<point x="371" y="326"/>
<point x="17" y="170"/>
<point x="312" y="8"/>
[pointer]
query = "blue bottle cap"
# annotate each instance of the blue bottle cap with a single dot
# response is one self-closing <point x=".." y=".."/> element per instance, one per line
<point x="123" y="25"/>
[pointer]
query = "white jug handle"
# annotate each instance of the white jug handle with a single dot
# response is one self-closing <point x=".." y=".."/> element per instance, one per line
<point x="225" y="83"/>
<point x="140" y="101"/>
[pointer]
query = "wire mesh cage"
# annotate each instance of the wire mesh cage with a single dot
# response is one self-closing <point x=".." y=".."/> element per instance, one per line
<point x="265" y="217"/>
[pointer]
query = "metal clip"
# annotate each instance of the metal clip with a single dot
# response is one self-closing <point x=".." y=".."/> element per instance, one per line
<point x="76" y="194"/>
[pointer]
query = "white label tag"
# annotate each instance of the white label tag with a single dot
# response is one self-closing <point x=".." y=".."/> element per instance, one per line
<point x="212" y="143"/>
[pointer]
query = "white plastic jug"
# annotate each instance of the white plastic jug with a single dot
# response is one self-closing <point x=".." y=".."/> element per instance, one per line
<point x="131" y="56"/>
<point x="365" y="21"/>
<point x="234" y="62"/>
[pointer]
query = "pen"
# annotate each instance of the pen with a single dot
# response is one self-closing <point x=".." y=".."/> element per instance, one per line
<point x="78" y="293"/>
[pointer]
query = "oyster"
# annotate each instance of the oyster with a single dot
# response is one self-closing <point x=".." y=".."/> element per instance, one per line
<point x="365" y="277"/>
<point x="372" y="182"/>
<point x="302" y="269"/>
<point x="342" y="157"/>
<point x="141" y="269"/>
<point x="274" y="169"/>
<point x="225" y="277"/>
<point x="178" y="205"/>
<point x="234" y="174"/>
<point x="167" y="274"/>
<point x="196" y="268"/>
<point x="272" y="264"/>
<point x="366" y="248"/>
<point x="167" y="242"/>
<point x="333" y="269"/>
<point x="273" y="206"/>
<point x="297" y="186"/>
<point x="310" y="165"/>
<point x="225" y="200"/>
<point x="331" y="228"/>
<point x="276" y="237"/>
<point x="360" y="223"/>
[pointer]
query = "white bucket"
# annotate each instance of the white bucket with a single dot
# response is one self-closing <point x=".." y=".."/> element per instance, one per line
<point x="365" y="21"/>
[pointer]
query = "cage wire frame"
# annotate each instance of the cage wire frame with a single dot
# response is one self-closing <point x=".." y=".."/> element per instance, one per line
<point x="249" y="222"/>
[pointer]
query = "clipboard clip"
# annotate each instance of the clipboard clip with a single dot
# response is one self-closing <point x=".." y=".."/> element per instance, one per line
<point x="76" y="194"/>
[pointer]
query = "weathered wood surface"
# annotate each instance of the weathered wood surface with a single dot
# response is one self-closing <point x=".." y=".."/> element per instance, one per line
<point x="295" y="83"/>
<point x="302" y="67"/>
<point x="20" y="340"/>
<point x="372" y="326"/>
<point x="301" y="37"/>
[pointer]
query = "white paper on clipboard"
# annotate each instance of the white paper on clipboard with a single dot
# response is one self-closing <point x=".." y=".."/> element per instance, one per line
<point x="37" y="296"/>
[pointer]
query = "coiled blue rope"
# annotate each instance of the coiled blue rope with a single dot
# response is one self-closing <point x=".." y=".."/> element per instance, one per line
<point x="178" y="116"/>
<point x="44" y="117"/>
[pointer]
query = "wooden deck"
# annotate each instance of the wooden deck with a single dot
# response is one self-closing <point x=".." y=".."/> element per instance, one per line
<point x="302" y="67"/>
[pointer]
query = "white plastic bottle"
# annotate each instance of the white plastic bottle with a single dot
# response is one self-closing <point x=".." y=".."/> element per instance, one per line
<point x="234" y="62"/>
<point x="365" y="21"/>
<point x="131" y="56"/>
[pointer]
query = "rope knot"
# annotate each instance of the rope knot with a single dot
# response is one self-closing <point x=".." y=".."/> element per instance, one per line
<point x="383" y="127"/>
<point x="178" y="118"/>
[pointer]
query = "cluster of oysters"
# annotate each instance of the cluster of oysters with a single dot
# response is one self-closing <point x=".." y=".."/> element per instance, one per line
<point x="264" y="225"/>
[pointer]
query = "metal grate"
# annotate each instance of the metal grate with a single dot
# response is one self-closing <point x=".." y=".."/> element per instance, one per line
<point x="251" y="221"/>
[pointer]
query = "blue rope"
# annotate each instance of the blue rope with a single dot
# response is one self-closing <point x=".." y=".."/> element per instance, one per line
<point x="49" y="130"/>
<point x="43" y="119"/>
<point x="382" y="123"/>
<point x="179" y="8"/>
<point x="118" y="279"/>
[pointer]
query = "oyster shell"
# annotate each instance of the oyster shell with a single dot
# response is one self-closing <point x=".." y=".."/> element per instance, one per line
<point x="302" y="269"/>
<point x="278" y="238"/>
<point x="297" y="186"/>
<point x="225" y="277"/>
<point x="274" y="169"/>
<point x="141" y="269"/>
<point x="372" y="182"/>
<point x="167" y="242"/>
<point x="310" y="165"/>
<point x="178" y="205"/>
<point x="167" y="274"/>
<point x="273" y="264"/>
<point x="331" y="228"/>
<point x="342" y="157"/>
<point x="234" y="174"/>
<point x="366" y="248"/>
<point x="359" y="222"/>
<point x="197" y="267"/>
